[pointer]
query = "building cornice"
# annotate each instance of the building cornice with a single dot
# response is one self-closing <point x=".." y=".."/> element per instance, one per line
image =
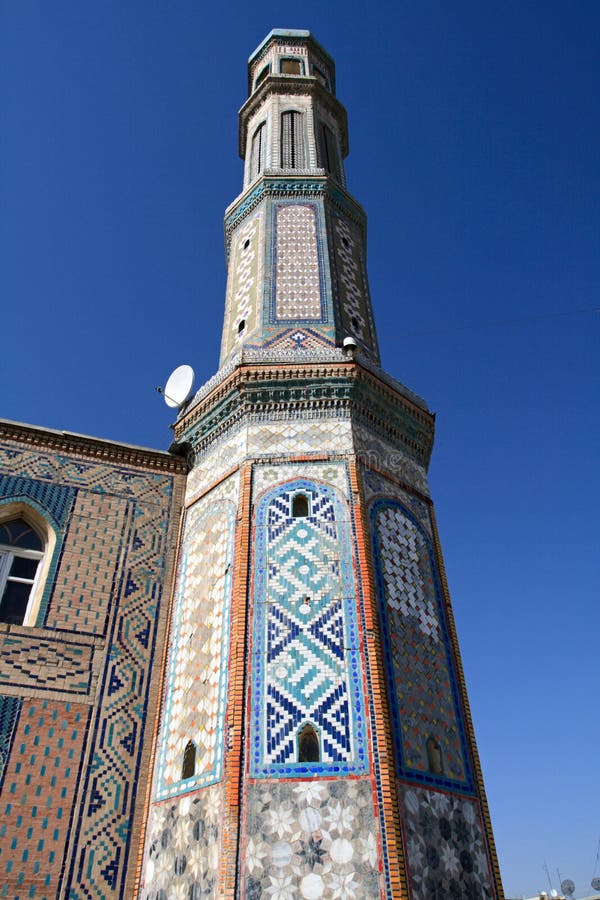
<point x="91" y="447"/>
<point x="309" y="389"/>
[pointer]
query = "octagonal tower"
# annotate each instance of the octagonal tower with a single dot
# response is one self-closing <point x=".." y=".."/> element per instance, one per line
<point x="315" y="737"/>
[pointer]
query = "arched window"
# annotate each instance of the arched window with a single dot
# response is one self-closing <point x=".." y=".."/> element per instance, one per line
<point x="329" y="152"/>
<point x="21" y="552"/>
<point x="292" y="140"/>
<point x="308" y="745"/>
<point x="188" y="768"/>
<point x="434" y="756"/>
<point x="257" y="152"/>
<point x="300" y="506"/>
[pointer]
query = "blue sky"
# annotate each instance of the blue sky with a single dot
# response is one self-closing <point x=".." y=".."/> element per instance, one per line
<point x="474" y="135"/>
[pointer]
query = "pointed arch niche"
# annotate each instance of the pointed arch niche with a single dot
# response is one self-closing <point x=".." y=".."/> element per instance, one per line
<point x="27" y="544"/>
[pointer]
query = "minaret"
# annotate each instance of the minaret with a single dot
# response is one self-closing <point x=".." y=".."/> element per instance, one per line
<point x="315" y="737"/>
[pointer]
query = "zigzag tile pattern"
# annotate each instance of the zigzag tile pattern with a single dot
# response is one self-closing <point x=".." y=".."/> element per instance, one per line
<point x="305" y="638"/>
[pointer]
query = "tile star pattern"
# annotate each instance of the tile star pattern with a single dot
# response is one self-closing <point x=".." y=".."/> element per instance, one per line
<point x="416" y="646"/>
<point x="311" y="839"/>
<point x="446" y="847"/>
<point x="197" y="670"/>
<point x="305" y="660"/>
<point x="182" y="853"/>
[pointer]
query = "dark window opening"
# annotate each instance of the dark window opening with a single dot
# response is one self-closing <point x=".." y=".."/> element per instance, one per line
<point x="308" y="745"/>
<point x="188" y="769"/>
<point x="291" y="67"/>
<point x="241" y="326"/>
<point x="262" y="75"/>
<point x="21" y="551"/>
<point x="246" y="243"/>
<point x="300" y="506"/>
<point x="292" y="140"/>
<point x="329" y="152"/>
<point x="434" y="756"/>
<point x="345" y="242"/>
<point x="257" y="151"/>
<point x="320" y="76"/>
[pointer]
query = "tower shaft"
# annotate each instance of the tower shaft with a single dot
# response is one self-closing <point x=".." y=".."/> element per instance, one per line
<point x="315" y="738"/>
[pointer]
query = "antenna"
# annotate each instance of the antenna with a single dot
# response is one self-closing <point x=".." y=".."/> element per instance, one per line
<point x="178" y="387"/>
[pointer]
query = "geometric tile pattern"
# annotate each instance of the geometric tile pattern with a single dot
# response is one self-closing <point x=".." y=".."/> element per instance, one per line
<point x="41" y="780"/>
<point x="199" y="645"/>
<point x="271" y="437"/>
<point x="445" y="842"/>
<point x="298" y="293"/>
<point x="10" y="707"/>
<point x="353" y="299"/>
<point x="244" y="281"/>
<point x="124" y="569"/>
<point x="376" y="485"/>
<point x="311" y="839"/>
<point x="45" y="664"/>
<point x="306" y="665"/>
<point x="388" y="457"/>
<point x="182" y="849"/>
<point x="417" y="649"/>
<point x="333" y="473"/>
<point x="83" y="586"/>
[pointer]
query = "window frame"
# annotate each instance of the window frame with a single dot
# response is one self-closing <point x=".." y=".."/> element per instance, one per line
<point x="10" y="512"/>
<point x="295" y="59"/>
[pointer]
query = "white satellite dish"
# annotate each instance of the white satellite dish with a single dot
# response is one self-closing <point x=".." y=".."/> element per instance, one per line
<point x="179" y="386"/>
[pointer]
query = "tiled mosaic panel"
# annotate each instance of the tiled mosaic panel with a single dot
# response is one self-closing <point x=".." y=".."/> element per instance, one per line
<point x="40" y="785"/>
<point x="297" y="291"/>
<point x="311" y="839"/>
<point x="376" y="485"/>
<point x="352" y="292"/>
<point x="182" y="848"/>
<point x="33" y="662"/>
<point x="386" y="457"/>
<point x="294" y="340"/>
<point x="198" y="655"/>
<point x="294" y="436"/>
<point x="417" y="644"/>
<point x="446" y="847"/>
<point x="122" y="481"/>
<point x="10" y="707"/>
<point x="305" y="656"/>
<point x="244" y="285"/>
<point x="334" y="473"/>
<point x="219" y="457"/>
<point x="88" y="567"/>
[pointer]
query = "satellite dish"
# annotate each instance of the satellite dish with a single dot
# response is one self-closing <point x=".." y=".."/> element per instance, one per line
<point x="567" y="887"/>
<point x="179" y="386"/>
<point x="596" y="884"/>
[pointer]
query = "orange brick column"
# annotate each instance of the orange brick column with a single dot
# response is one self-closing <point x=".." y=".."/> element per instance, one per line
<point x="381" y="726"/>
<point x="235" y="700"/>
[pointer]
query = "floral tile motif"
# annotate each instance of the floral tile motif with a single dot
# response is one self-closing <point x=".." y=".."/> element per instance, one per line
<point x="182" y="848"/>
<point x="311" y="839"/>
<point x="446" y="846"/>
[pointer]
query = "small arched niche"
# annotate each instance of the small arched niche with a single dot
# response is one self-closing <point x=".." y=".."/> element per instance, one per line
<point x="188" y="767"/>
<point x="309" y="750"/>
<point x="300" y="506"/>
<point x="434" y="756"/>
